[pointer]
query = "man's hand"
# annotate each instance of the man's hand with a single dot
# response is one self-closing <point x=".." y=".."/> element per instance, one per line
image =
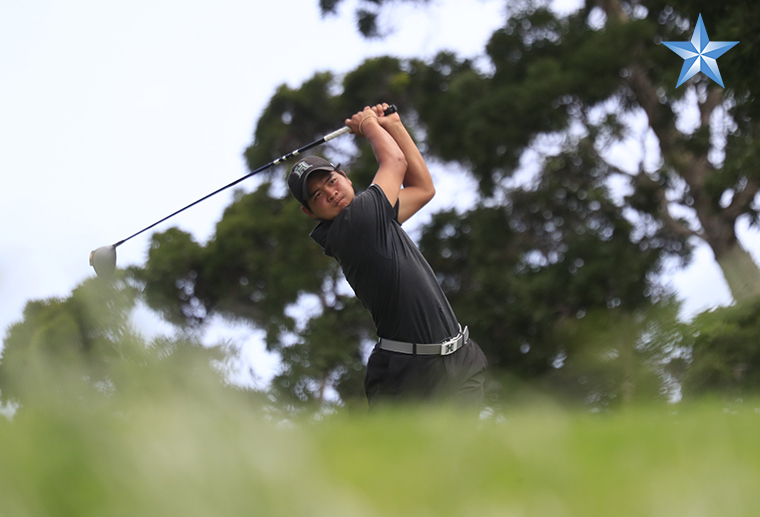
<point x="361" y="118"/>
<point x="386" y="120"/>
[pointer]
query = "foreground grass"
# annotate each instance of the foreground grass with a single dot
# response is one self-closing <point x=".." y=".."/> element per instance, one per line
<point x="181" y="456"/>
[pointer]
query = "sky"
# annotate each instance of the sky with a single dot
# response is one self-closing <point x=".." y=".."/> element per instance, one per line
<point x="115" y="114"/>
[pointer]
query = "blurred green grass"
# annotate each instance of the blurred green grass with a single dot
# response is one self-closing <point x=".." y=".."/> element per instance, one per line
<point x="221" y="455"/>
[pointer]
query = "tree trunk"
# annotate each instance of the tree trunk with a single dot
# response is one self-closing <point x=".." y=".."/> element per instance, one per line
<point x="740" y="271"/>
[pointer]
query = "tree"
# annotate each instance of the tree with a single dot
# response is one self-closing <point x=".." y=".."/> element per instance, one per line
<point x="722" y="352"/>
<point x="520" y="271"/>
<point x="367" y="13"/>
<point x="616" y="357"/>
<point x="593" y="75"/>
<point x="66" y="345"/>
<point x="82" y="350"/>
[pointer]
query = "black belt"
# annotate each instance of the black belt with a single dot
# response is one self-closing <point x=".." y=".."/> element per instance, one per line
<point x="447" y="347"/>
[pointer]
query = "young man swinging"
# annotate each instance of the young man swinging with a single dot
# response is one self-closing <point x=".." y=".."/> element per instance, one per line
<point x="423" y="352"/>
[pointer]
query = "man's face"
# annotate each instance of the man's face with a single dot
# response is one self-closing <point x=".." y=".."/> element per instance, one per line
<point x="329" y="193"/>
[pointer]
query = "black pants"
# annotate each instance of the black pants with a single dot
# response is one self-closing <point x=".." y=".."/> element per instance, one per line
<point x="457" y="377"/>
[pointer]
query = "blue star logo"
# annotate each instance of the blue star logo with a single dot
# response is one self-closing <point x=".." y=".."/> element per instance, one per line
<point x="700" y="54"/>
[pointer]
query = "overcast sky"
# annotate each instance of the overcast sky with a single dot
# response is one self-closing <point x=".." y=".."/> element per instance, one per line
<point x="115" y="114"/>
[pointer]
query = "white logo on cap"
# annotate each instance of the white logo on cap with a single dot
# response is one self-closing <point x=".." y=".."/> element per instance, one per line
<point x="300" y="168"/>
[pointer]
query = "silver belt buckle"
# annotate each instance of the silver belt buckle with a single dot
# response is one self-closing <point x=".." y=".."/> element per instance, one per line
<point x="451" y="346"/>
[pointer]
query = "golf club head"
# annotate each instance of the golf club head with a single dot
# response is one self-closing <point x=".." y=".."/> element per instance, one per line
<point x="104" y="260"/>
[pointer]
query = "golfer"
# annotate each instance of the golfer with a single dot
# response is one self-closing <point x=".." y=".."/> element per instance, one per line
<point x="423" y="351"/>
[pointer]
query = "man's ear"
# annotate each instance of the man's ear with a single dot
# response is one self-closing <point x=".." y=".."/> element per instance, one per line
<point x="346" y="176"/>
<point x="308" y="212"/>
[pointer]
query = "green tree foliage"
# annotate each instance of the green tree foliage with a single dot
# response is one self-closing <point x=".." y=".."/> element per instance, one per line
<point x="367" y="13"/>
<point x="66" y="343"/>
<point x="552" y="253"/>
<point x="255" y="266"/>
<point x="82" y="350"/>
<point x="593" y="75"/>
<point x="330" y="346"/>
<point x="615" y="357"/>
<point x="722" y="351"/>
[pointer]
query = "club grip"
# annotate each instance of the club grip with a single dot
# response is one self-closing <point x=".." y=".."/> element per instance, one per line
<point x="390" y="110"/>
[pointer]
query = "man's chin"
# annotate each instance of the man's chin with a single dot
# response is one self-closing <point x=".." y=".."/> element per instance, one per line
<point x="337" y="209"/>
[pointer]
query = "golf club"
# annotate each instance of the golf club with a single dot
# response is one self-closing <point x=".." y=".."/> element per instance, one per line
<point x="103" y="259"/>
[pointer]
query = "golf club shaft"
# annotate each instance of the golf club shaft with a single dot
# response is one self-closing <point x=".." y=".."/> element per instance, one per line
<point x="391" y="109"/>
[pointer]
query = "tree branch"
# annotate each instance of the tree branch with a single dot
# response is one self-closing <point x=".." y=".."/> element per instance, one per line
<point x="694" y="169"/>
<point x="660" y="115"/>
<point x="742" y="199"/>
<point x="714" y="97"/>
<point x="649" y="100"/>
<point x="613" y="9"/>
<point x="675" y="226"/>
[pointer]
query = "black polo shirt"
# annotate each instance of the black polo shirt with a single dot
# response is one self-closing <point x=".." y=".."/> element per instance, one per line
<point x="386" y="270"/>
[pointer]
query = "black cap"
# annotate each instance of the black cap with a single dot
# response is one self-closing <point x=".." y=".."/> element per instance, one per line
<point x="299" y="175"/>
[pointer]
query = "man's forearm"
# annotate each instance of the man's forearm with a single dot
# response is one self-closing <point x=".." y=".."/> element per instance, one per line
<point x="390" y="157"/>
<point x="417" y="173"/>
<point x="418" y="183"/>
